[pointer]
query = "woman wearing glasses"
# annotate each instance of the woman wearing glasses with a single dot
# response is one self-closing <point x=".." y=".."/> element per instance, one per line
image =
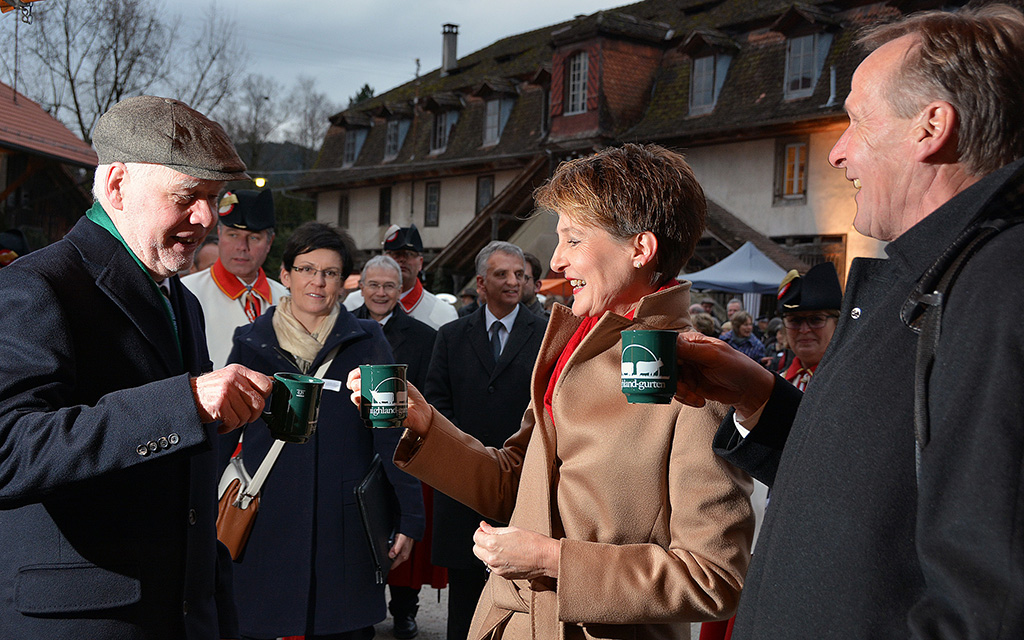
<point x="810" y="307"/>
<point x="307" y="568"/>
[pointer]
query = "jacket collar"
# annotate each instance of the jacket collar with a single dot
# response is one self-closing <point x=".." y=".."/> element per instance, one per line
<point x="918" y="247"/>
<point x="232" y="287"/>
<point x="119" y="276"/>
<point x="664" y="309"/>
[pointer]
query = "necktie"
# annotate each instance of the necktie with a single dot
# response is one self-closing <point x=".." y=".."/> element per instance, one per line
<point x="496" y="340"/>
<point x="252" y="305"/>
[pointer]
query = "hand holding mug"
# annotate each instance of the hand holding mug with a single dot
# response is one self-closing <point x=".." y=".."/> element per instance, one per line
<point x="419" y="411"/>
<point x="232" y="395"/>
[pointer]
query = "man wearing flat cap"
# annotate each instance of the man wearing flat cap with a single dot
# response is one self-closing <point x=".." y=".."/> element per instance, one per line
<point x="235" y="290"/>
<point x="403" y="244"/>
<point x="108" y="408"/>
<point x="810" y="310"/>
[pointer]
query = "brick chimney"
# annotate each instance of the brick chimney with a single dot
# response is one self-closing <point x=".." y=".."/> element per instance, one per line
<point x="449" y="58"/>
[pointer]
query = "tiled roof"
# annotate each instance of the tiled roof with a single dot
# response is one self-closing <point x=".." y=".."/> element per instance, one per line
<point x="25" y="126"/>
<point x="751" y="102"/>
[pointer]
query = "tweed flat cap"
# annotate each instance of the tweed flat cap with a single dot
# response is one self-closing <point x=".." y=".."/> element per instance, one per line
<point x="168" y="132"/>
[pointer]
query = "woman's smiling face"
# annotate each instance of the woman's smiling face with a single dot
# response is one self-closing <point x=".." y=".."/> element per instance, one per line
<point x="600" y="268"/>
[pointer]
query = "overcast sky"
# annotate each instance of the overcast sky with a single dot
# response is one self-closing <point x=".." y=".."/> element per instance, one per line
<point x="346" y="43"/>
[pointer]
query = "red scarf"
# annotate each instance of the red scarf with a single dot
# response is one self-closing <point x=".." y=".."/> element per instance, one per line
<point x="581" y="332"/>
<point x="412" y="298"/>
<point x="798" y="374"/>
<point x="233" y="288"/>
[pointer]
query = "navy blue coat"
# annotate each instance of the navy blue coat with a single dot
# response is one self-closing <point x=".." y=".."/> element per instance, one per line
<point x="307" y="567"/>
<point x="107" y="476"/>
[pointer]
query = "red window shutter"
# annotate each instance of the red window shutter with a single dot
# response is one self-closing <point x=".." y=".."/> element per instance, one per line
<point x="593" y="76"/>
<point x="557" y="84"/>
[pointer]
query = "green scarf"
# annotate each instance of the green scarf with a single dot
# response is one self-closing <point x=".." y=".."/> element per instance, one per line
<point x="99" y="215"/>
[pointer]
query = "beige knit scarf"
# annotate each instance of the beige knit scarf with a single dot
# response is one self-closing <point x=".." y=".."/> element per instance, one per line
<point x="294" y="338"/>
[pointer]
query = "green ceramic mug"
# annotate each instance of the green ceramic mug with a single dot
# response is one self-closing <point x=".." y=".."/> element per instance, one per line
<point x="294" y="406"/>
<point x="384" y="399"/>
<point x="649" y="366"/>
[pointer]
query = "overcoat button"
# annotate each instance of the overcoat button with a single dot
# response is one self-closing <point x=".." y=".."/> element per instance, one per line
<point x="164" y="444"/>
<point x="153" y="446"/>
<point x="184" y="607"/>
<point x="173" y="439"/>
<point x="191" y="516"/>
<point x="490" y="389"/>
<point x="142" y="450"/>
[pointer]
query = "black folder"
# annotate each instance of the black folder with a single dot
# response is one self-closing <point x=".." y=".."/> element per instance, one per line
<point x="378" y="509"/>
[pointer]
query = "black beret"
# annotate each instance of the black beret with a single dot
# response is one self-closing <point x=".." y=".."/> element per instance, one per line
<point x="816" y="290"/>
<point x="249" y="210"/>
<point x="398" y="238"/>
<point x="164" y="131"/>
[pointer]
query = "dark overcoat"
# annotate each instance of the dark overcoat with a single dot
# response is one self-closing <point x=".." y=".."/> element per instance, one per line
<point x="483" y="398"/>
<point x="853" y="546"/>
<point x="307" y="567"/>
<point x="107" y="476"/>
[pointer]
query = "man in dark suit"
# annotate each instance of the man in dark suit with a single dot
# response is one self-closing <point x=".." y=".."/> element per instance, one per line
<point x="107" y="469"/>
<point x="480" y="380"/>
<point x="411" y="342"/>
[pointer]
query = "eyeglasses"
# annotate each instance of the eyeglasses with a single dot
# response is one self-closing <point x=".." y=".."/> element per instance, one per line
<point x="388" y="287"/>
<point x="307" y="271"/>
<point x="812" y="322"/>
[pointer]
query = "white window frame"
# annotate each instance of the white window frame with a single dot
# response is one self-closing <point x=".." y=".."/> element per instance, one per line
<point x="702" y="85"/>
<point x="351" y="148"/>
<point x="801" y="63"/>
<point x="492" y="122"/>
<point x="794" y="171"/>
<point x="391" y="140"/>
<point x="441" y="131"/>
<point x="576" y="69"/>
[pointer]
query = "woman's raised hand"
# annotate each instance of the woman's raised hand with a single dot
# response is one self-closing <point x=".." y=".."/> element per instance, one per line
<point x="418" y="418"/>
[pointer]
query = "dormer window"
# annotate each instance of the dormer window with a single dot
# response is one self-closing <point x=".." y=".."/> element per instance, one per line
<point x="395" y="136"/>
<point x="354" y="139"/>
<point x="805" y="56"/>
<point x="706" y="80"/>
<point x="711" y="52"/>
<point x="576" y="84"/>
<point x="443" y="123"/>
<point x="498" y="112"/>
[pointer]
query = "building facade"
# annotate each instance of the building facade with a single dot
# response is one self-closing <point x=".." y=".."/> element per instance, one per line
<point x="751" y="92"/>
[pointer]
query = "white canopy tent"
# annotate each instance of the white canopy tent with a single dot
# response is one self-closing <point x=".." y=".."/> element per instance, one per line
<point x="746" y="271"/>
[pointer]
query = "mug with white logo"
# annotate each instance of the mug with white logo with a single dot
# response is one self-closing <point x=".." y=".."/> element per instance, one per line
<point x="384" y="399"/>
<point x="649" y="366"/>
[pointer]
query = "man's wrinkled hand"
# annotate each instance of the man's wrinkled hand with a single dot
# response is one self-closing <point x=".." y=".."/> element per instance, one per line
<point x="710" y="369"/>
<point x="234" y="396"/>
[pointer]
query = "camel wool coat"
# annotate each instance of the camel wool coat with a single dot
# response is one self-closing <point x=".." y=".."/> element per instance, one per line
<point x="654" y="529"/>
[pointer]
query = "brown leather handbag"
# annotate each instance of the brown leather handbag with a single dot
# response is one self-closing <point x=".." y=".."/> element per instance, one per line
<point x="236" y="515"/>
